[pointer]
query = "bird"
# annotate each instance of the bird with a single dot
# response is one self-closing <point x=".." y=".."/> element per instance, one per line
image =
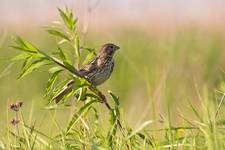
<point x="97" y="71"/>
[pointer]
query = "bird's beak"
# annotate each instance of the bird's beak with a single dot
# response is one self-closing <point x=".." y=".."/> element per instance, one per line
<point x="117" y="47"/>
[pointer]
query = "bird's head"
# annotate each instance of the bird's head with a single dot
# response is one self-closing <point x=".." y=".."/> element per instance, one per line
<point x="108" y="50"/>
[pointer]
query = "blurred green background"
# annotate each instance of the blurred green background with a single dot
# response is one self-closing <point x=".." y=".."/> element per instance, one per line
<point x="163" y="63"/>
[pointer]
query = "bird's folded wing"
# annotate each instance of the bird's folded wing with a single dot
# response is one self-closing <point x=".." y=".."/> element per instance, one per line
<point x="89" y="67"/>
<point x="66" y="90"/>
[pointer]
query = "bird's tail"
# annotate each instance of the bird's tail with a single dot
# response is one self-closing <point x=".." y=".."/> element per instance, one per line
<point x="66" y="90"/>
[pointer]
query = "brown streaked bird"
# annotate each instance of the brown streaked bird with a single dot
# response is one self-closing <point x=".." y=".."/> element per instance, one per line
<point x="96" y="71"/>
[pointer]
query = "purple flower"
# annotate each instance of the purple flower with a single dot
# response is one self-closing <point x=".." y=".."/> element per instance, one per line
<point x="15" y="121"/>
<point x="16" y="106"/>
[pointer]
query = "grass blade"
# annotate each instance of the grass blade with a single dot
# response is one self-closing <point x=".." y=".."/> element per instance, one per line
<point x="140" y="128"/>
<point x="77" y="115"/>
<point x="195" y="112"/>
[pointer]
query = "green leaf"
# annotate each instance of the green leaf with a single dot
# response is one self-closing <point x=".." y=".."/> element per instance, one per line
<point x="20" y="56"/>
<point x="34" y="65"/>
<point x="51" y="81"/>
<point x="59" y="86"/>
<point x="69" y="66"/>
<point x="54" y="69"/>
<point x="115" y="98"/>
<point x="65" y="65"/>
<point x="26" y="62"/>
<point x="112" y="118"/>
<point x="64" y="17"/>
<point x="24" y="45"/>
<point x="77" y="115"/>
<point x="88" y="49"/>
<point x="45" y="55"/>
<point x="68" y="18"/>
<point x="23" y="49"/>
<point x="88" y="57"/>
<point x="58" y="33"/>
<point x="62" y="41"/>
<point x="77" y="46"/>
<point x="80" y="92"/>
<point x="91" y="95"/>
<point x="26" y="55"/>
<point x="62" y="55"/>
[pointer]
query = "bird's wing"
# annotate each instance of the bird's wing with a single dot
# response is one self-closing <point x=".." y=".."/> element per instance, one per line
<point x="89" y="67"/>
<point x="66" y="90"/>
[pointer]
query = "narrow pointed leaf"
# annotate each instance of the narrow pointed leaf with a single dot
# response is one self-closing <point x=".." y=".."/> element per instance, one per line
<point x="77" y="115"/>
<point x="115" y="98"/>
<point x="77" y="46"/>
<point x="68" y="18"/>
<point x="62" y="55"/>
<point x="54" y="69"/>
<point x="51" y="81"/>
<point x="24" y="45"/>
<point x="26" y="62"/>
<point x="88" y="57"/>
<point x="24" y="49"/>
<point x="58" y="34"/>
<point x="20" y="56"/>
<point x="34" y="65"/>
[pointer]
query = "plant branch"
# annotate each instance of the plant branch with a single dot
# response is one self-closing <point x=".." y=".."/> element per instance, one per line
<point x="60" y="63"/>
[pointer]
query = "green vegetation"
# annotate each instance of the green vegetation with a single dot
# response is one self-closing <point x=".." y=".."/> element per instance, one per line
<point x="170" y="86"/>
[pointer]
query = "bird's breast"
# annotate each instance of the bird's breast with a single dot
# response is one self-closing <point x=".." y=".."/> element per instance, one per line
<point x="102" y="73"/>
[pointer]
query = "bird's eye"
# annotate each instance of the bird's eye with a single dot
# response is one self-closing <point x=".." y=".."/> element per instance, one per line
<point x="111" y="47"/>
